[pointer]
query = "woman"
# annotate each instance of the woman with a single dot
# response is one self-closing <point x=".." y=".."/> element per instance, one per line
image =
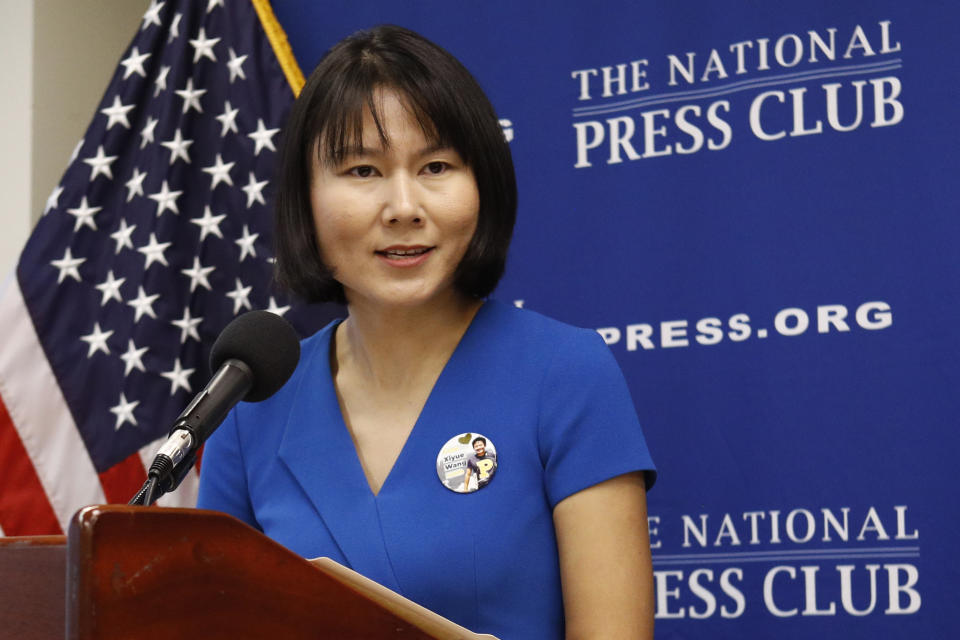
<point x="397" y="197"/>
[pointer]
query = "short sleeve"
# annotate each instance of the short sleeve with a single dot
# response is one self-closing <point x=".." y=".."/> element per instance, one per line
<point x="588" y="426"/>
<point x="223" y="480"/>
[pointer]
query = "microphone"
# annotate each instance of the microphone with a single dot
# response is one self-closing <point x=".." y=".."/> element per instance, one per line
<point x="252" y="358"/>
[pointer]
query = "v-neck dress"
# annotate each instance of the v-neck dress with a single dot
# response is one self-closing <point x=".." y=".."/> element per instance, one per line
<point x="550" y="398"/>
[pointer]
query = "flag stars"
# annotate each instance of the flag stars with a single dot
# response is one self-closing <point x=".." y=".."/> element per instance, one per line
<point x="263" y="137"/>
<point x="246" y="244"/>
<point x="235" y="65"/>
<point x="188" y="326"/>
<point x="68" y="266"/>
<point x="97" y="339"/>
<point x="178" y="376"/>
<point x="254" y="191"/>
<point x="54" y="200"/>
<point x="209" y="223"/>
<point x="135" y="184"/>
<point x="122" y="236"/>
<point x="191" y="97"/>
<point x="146" y="134"/>
<point x="110" y="288"/>
<point x="198" y="275"/>
<point x="160" y="84"/>
<point x="219" y="172"/>
<point x="133" y="358"/>
<point x="153" y="251"/>
<point x="157" y="79"/>
<point x="228" y="119"/>
<point x="175" y="27"/>
<point x="84" y="215"/>
<point x="203" y="46"/>
<point x="275" y="308"/>
<point x="124" y="412"/>
<point x="142" y="129"/>
<point x="134" y="63"/>
<point x="100" y="164"/>
<point x="117" y="113"/>
<point x="166" y="199"/>
<point x="143" y="305"/>
<point x="240" y="296"/>
<point x="178" y="147"/>
<point x="152" y="15"/>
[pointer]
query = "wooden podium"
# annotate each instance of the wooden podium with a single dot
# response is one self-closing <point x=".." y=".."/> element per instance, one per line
<point x="149" y="572"/>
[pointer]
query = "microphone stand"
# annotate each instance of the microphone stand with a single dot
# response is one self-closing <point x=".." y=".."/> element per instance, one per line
<point x="153" y="489"/>
<point x="204" y="414"/>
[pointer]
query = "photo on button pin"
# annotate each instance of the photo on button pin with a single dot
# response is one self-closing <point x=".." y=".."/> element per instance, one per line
<point x="467" y="462"/>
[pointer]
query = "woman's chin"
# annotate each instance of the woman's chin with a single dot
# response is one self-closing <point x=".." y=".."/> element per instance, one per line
<point x="408" y="296"/>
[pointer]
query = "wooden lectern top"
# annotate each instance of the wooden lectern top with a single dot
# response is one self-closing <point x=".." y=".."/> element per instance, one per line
<point x="149" y="572"/>
<point x="153" y="572"/>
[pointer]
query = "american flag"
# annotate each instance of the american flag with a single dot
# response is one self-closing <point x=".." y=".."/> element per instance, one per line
<point x="156" y="237"/>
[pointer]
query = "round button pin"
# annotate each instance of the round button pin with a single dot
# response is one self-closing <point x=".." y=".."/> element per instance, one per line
<point x="467" y="462"/>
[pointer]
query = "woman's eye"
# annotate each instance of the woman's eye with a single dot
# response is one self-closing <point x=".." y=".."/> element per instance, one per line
<point x="436" y="168"/>
<point x="363" y="171"/>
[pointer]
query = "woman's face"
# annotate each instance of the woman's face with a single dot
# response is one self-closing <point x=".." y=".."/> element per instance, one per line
<point x="393" y="222"/>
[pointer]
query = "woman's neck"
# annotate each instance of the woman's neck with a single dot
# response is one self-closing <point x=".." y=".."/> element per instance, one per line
<point x="394" y="348"/>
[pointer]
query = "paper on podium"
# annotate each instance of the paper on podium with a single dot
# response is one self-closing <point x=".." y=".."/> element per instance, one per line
<point x="427" y="620"/>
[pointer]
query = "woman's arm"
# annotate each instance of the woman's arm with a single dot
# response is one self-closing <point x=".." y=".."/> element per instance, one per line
<point x="605" y="566"/>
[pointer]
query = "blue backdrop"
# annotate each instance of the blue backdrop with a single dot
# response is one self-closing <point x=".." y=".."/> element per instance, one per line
<point x="756" y="205"/>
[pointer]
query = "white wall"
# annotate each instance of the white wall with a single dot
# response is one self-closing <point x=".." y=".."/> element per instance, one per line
<point x="58" y="56"/>
<point x="16" y="119"/>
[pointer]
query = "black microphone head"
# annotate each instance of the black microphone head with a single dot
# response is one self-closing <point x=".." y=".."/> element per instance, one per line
<point x="266" y="343"/>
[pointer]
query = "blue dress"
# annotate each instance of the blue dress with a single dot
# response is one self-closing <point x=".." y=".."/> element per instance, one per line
<point x="548" y="396"/>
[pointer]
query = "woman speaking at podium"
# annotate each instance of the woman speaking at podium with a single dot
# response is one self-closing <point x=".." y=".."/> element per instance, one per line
<point x="481" y="460"/>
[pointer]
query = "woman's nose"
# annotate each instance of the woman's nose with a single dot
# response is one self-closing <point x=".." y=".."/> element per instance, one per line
<point x="402" y="205"/>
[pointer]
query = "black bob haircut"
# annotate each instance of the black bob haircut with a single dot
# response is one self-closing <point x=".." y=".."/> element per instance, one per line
<point x="327" y="120"/>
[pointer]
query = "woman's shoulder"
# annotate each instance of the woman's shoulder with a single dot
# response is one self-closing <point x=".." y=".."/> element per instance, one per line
<point x="529" y="330"/>
<point x="319" y="340"/>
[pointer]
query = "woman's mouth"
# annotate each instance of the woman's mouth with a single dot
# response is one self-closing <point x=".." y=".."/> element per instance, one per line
<point x="404" y="256"/>
<point x="404" y="252"/>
